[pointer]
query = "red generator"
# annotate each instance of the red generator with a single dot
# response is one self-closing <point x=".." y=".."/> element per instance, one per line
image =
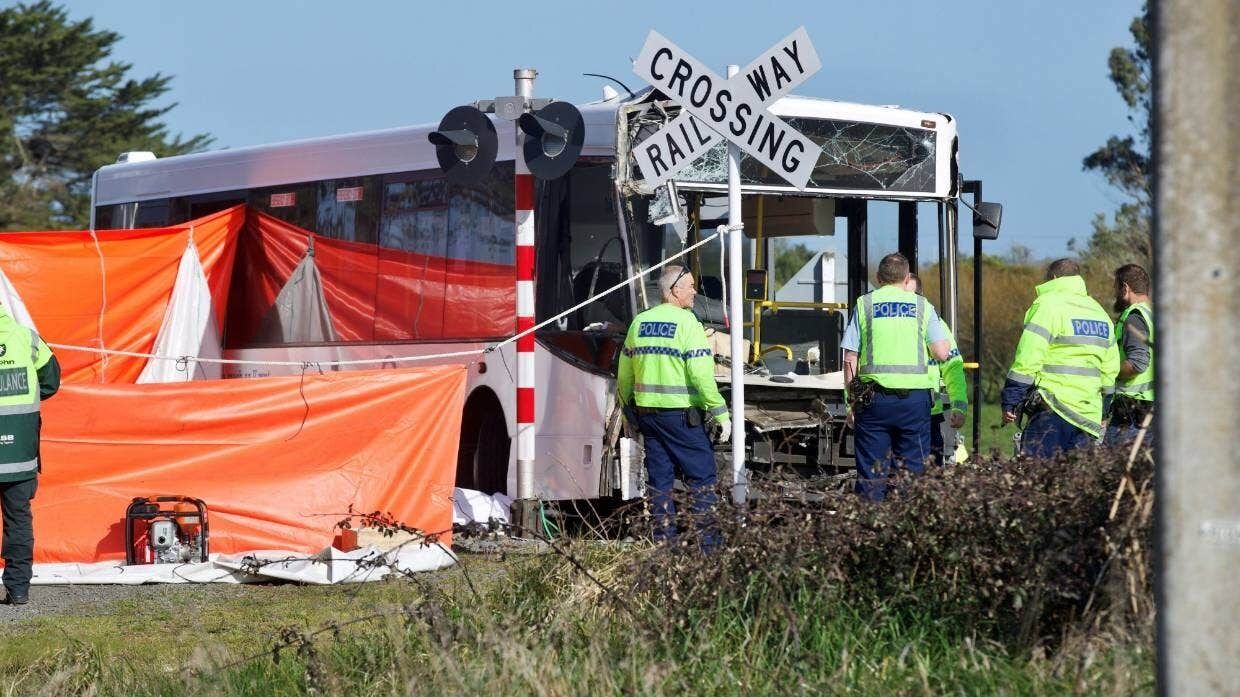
<point x="165" y="530"/>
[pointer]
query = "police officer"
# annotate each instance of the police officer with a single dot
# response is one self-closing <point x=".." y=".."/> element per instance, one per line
<point x="1134" y="387"/>
<point x="1065" y="360"/>
<point x="950" y="393"/>
<point x="29" y="373"/>
<point x="890" y="337"/>
<point x="666" y="380"/>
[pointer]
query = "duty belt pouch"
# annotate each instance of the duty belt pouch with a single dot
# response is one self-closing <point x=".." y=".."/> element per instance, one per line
<point x="861" y="392"/>
<point x="1126" y="411"/>
<point x="693" y="417"/>
<point x="1030" y="406"/>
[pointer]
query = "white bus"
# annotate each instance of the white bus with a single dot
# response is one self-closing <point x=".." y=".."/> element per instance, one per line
<point x="413" y="265"/>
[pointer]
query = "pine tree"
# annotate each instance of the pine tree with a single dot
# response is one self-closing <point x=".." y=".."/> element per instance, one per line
<point x="1125" y="162"/>
<point x="66" y="110"/>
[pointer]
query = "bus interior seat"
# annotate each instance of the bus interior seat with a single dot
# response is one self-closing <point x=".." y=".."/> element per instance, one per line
<point x="712" y="287"/>
<point x="599" y="276"/>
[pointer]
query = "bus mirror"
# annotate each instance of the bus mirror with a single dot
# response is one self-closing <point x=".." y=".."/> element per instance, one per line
<point x="465" y="145"/>
<point x="986" y="219"/>
<point x="554" y="136"/>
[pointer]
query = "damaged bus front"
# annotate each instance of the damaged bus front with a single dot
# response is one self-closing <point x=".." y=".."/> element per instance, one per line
<point x="879" y="171"/>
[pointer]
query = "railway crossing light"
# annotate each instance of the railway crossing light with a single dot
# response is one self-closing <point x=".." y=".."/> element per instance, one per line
<point x="465" y="145"/>
<point x="553" y="139"/>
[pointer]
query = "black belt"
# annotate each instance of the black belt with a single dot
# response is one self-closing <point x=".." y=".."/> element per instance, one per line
<point x="647" y="411"/>
<point x="900" y="393"/>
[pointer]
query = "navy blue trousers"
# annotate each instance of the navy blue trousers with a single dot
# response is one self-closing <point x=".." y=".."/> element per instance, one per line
<point x="18" y="544"/>
<point x="675" y="449"/>
<point x="891" y="432"/>
<point x="936" y="438"/>
<point x="1047" y="434"/>
<point x="1123" y="436"/>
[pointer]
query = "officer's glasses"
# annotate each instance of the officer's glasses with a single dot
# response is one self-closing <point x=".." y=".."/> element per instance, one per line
<point x="684" y="271"/>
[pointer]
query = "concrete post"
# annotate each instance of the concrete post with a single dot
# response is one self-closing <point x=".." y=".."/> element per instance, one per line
<point x="1197" y="315"/>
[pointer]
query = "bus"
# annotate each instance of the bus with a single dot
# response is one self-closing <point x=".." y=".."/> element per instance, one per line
<point x="357" y="247"/>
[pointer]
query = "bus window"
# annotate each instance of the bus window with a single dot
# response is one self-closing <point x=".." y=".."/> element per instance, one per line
<point x="663" y="230"/>
<point x="413" y="242"/>
<point x="293" y="203"/>
<point x="349" y="209"/>
<point x="580" y="252"/>
<point x="596" y="252"/>
<point x="480" y="268"/>
<point x="127" y="216"/>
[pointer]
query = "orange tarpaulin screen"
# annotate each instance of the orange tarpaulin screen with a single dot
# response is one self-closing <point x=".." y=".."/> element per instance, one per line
<point x="59" y="277"/>
<point x="372" y="293"/>
<point x="278" y="461"/>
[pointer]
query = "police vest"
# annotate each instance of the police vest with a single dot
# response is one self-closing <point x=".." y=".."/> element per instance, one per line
<point x="1141" y="385"/>
<point x="667" y="363"/>
<point x="1067" y="349"/>
<point x="892" y="353"/>
<point x="21" y="357"/>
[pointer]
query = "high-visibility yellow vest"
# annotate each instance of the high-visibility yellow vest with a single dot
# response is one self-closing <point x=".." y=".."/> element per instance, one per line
<point x="1068" y="351"/>
<point x="1141" y="385"/>
<point x="892" y="352"/>
<point x="950" y="375"/>
<point x="667" y="363"/>
<point x="22" y="354"/>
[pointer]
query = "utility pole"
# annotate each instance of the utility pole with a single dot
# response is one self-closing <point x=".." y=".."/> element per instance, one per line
<point x="1197" y="254"/>
<point x="736" y="226"/>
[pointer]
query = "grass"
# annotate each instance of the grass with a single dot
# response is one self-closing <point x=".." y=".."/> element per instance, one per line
<point x="536" y="626"/>
<point x="1012" y="578"/>
<point x="995" y="441"/>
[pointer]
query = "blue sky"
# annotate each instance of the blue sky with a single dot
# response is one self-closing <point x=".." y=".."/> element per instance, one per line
<point x="1027" y="81"/>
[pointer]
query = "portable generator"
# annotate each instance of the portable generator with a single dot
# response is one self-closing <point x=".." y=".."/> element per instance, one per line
<point x="165" y="530"/>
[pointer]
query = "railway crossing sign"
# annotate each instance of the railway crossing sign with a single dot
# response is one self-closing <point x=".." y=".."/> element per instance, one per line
<point x="734" y="109"/>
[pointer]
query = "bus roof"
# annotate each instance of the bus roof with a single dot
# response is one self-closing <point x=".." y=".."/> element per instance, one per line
<point x="401" y="149"/>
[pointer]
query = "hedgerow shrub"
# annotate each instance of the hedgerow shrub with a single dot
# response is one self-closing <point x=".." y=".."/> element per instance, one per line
<point x="1020" y="552"/>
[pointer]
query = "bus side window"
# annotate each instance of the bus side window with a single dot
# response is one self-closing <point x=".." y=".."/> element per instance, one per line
<point x="595" y="250"/>
<point x="349" y="209"/>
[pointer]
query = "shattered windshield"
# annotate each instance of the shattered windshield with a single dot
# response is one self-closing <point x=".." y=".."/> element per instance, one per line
<point x="855" y="155"/>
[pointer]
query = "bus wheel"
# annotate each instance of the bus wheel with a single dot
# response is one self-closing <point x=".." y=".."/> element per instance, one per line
<point x="482" y="459"/>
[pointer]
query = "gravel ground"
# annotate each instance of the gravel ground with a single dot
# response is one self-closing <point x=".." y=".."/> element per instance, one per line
<point x="92" y="599"/>
<point x="48" y="601"/>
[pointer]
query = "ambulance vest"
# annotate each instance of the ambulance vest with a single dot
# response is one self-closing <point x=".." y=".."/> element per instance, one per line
<point x="20" y="360"/>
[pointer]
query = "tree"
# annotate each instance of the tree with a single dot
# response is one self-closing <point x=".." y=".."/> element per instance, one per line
<point x="66" y="110"/>
<point x="789" y="258"/>
<point x="1125" y="162"/>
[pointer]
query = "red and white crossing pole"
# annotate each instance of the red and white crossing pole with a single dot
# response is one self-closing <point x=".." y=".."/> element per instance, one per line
<point x="524" y="78"/>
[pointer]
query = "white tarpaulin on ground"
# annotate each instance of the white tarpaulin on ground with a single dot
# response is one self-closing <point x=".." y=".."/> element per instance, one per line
<point x="188" y="328"/>
<point x="328" y="567"/>
<point x="469" y="506"/>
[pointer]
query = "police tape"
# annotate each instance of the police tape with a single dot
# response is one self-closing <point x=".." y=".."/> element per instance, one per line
<point x="305" y="363"/>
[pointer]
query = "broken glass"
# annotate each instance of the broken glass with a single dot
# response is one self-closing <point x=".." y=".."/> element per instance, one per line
<point x="853" y="156"/>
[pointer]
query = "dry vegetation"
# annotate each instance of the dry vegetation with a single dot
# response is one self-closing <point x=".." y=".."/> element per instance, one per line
<point x="1006" y="578"/>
